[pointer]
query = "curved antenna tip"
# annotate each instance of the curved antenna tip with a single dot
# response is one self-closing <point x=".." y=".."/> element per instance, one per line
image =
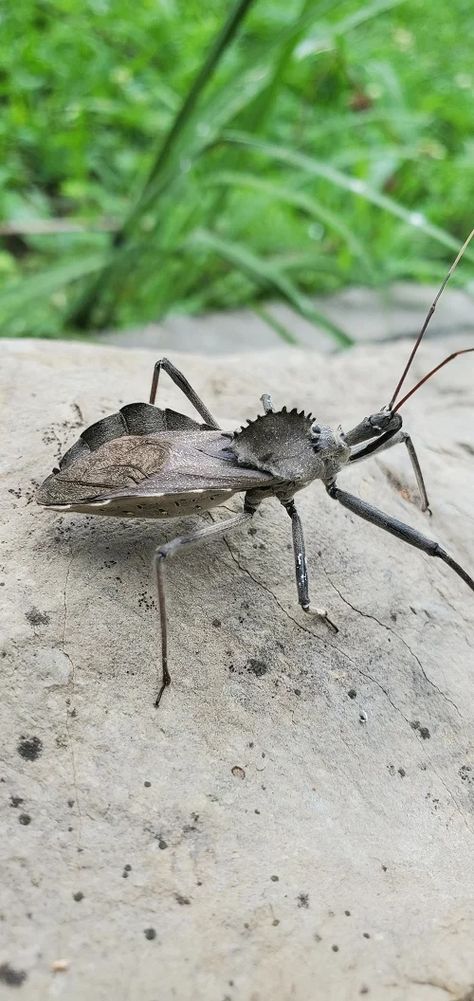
<point x="425" y="325"/>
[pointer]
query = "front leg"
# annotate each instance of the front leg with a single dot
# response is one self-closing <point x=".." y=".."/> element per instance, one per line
<point x="398" y="528"/>
<point x="380" y="445"/>
<point x="301" y="566"/>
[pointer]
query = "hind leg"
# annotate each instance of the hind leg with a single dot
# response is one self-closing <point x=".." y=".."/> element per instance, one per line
<point x="182" y="383"/>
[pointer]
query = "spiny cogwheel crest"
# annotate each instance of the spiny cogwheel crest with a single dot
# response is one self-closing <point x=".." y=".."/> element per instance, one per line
<point x="271" y="436"/>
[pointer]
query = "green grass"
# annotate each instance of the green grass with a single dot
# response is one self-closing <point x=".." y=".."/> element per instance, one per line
<point x="241" y="152"/>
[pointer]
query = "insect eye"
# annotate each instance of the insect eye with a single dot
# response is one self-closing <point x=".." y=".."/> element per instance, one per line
<point x="315" y="429"/>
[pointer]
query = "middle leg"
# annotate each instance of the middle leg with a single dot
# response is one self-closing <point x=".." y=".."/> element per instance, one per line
<point x="301" y="566"/>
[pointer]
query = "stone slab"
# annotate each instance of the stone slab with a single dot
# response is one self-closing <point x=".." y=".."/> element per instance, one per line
<point x="296" y="822"/>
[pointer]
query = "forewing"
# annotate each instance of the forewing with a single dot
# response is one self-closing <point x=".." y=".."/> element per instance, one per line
<point x="167" y="463"/>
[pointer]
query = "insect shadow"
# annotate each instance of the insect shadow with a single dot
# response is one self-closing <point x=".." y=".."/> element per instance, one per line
<point x="152" y="463"/>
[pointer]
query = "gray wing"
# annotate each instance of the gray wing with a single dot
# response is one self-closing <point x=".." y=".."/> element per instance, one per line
<point x="146" y="467"/>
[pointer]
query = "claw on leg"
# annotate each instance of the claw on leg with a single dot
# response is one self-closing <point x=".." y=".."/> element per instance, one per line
<point x="166" y="680"/>
<point x="321" y="614"/>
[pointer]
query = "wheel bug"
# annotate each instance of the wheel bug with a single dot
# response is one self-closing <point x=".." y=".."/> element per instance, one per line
<point x="153" y="463"/>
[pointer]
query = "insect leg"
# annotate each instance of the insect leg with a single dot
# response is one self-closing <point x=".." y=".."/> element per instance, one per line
<point x="398" y="528"/>
<point x="169" y="549"/>
<point x="182" y="383"/>
<point x="301" y="566"/>
<point x="400" y="438"/>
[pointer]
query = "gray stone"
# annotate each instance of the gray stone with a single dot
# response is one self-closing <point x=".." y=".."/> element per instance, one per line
<point x="297" y="819"/>
<point x="365" y="314"/>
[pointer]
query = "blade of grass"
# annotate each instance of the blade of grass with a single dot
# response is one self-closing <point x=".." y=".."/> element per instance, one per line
<point x="316" y="168"/>
<point x="82" y="312"/>
<point x="218" y="48"/>
<point x="300" y="200"/>
<point x="266" y="274"/>
<point x="259" y="109"/>
<point x="275" y="325"/>
<point x="15" y="296"/>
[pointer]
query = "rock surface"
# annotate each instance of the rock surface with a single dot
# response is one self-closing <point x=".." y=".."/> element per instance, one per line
<point x="366" y="314"/>
<point x="296" y="822"/>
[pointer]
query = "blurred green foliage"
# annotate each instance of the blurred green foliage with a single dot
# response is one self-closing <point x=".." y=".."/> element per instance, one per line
<point x="330" y="143"/>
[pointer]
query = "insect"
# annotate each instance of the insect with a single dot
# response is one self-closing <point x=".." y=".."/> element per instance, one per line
<point x="152" y="463"/>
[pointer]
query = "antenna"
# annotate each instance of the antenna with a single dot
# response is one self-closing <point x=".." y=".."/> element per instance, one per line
<point x="423" y="331"/>
<point x="425" y="378"/>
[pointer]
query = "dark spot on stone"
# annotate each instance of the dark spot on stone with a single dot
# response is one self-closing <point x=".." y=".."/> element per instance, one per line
<point x="238" y="772"/>
<point x="366" y="934"/>
<point x="125" y="875"/>
<point x="347" y="913"/>
<point x="422" y="730"/>
<point x="16" y="800"/>
<point x="402" y="773"/>
<point x="275" y="922"/>
<point x="274" y="879"/>
<point x="257" y="667"/>
<point x="147" y="785"/>
<point x="127" y="868"/>
<point x="385" y="868"/>
<point x="181" y="900"/>
<point x="216" y="623"/>
<point x="352" y="693"/>
<point x="256" y="811"/>
<point x="150" y="934"/>
<point x="70" y="802"/>
<point x="162" y="843"/>
<point x="335" y="948"/>
<point x="37" y="618"/>
<point x="30" y="748"/>
<point x="391" y="769"/>
<point x="297" y="691"/>
<point x="12" y="977"/>
<point x="24" y="819"/>
<point x="78" y="896"/>
<point x="364" y="989"/>
<point x="303" y="900"/>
